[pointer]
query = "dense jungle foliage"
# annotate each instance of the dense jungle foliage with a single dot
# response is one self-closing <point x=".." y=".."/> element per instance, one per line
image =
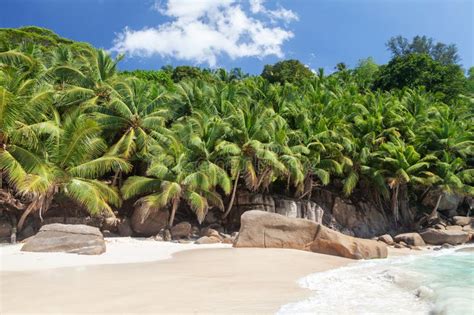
<point x="71" y="123"/>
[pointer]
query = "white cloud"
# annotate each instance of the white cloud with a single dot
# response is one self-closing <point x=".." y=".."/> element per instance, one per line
<point x="203" y="30"/>
<point x="287" y="16"/>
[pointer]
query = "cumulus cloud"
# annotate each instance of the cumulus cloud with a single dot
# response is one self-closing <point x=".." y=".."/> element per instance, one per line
<point x="256" y="6"/>
<point x="202" y="30"/>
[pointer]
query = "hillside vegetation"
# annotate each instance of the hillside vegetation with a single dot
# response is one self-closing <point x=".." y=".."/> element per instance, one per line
<point x="72" y="124"/>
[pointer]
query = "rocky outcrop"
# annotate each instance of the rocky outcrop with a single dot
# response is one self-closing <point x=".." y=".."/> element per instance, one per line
<point x="311" y="211"/>
<point x="362" y="220"/>
<point x="413" y="239"/>
<point x="287" y="208"/>
<point x="245" y="201"/>
<point x="124" y="229"/>
<point x="5" y="230"/>
<point x="148" y="225"/>
<point x="449" y="202"/>
<point x="440" y="237"/>
<point x="77" y="239"/>
<point x="267" y="230"/>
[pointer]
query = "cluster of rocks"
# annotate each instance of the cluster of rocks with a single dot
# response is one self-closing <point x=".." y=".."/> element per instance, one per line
<point x="184" y="232"/>
<point x="461" y="231"/>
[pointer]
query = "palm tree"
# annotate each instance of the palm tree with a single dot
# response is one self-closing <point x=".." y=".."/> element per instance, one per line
<point x="134" y="118"/>
<point x="183" y="169"/>
<point x="248" y="150"/>
<point x="401" y="165"/>
<point x="69" y="160"/>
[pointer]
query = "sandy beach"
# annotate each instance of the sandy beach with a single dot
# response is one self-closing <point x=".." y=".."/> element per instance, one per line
<point x="196" y="280"/>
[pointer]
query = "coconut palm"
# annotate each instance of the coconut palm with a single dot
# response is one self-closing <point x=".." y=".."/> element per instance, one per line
<point x="68" y="161"/>
<point x="401" y="165"/>
<point x="183" y="169"/>
<point x="134" y="118"/>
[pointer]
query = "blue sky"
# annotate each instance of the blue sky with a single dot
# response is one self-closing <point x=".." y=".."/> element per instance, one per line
<point x="247" y="33"/>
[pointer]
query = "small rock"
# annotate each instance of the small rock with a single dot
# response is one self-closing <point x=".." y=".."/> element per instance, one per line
<point x="410" y="239"/>
<point x="208" y="240"/>
<point x="459" y="220"/>
<point x="440" y="227"/>
<point x="414" y="247"/>
<point x="446" y="245"/>
<point x="386" y="238"/>
<point x="211" y="233"/>
<point x="181" y="230"/>
<point x="397" y="245"/>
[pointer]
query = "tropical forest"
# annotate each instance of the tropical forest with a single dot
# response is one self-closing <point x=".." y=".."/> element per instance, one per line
<point x="189" y="140"/>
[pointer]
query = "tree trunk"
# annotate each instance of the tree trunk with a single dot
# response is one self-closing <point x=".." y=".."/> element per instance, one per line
<point x="437" y="203"/>
<point x="173" y="213"/>
<point x="231" y="202"/>
<point x="262" y="177"/>
<point x="14" y="228"/>
<point x="114" y="180"/>
<point x="423" y="195"/>
<point x="32" y="207"/>
<point x="404" y="205"/>
<point x="396" y="215"/>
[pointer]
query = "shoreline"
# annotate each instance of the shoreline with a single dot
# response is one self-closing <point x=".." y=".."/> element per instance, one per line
<point x="423" y="282"/>
<point x="210" y="278"/>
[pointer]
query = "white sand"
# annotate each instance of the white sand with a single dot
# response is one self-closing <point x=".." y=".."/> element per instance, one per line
<point x="119" y="251"/>
<point x="136" y="276"/>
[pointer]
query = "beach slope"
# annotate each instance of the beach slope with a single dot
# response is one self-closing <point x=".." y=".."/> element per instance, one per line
<point x="209" y="280"/>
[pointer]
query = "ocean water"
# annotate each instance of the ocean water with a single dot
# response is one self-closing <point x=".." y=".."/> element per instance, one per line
<point x="438" y="283"/>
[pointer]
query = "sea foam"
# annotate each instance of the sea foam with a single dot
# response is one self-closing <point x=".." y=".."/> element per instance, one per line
<point x="438" y="283"/>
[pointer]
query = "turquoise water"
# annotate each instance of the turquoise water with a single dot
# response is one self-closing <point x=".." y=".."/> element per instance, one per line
<point x="450" y="276"/>
<point x="437" y="283"/>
